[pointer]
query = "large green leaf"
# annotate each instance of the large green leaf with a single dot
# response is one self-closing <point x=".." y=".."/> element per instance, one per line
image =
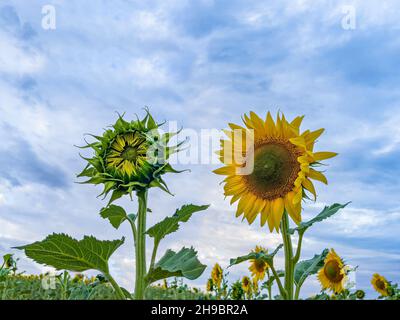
<point x="309" y="267"/>
<point x="171" y="224"/>
<point x="268" y="258"/>
<point x="182" y="264"/>
<point x="115" y="214"/>
<point x="65" y="253"/>
<point x="324" y="214"/>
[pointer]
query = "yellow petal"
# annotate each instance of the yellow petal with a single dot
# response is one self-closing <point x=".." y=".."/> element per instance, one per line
<point x="270" y="125"/>
<point x="316" y="175"/>
<point x="297" y="122"/>
<point x="291" y="208"/>
<point x="265" y="212"/>
<point x="310" y="187"/>
<point x="228" y="170"/>
<point x="278" y="207"/>
<point x="298" y="196"/>
<point x="324" y="155"/>
<point x="314" y="135"/>
<point x="298" y="141"/>
<point x="257" y="122"/>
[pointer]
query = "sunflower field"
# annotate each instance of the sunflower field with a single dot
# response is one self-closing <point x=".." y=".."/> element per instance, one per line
<point x="270" y="167"/>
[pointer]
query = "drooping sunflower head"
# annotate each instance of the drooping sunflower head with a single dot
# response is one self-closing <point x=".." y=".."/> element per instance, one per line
<point x="217" y="275"/>
<point x="269" y="166"/>
<point x="258" y="267"/>
<point x="380" y="284"/>
<point x="246" y="284"/>
<point x="129" y="156"/>
<point x="333" y="274"/>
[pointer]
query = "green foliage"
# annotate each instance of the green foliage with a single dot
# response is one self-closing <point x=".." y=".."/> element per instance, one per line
<point x="309" y="267"/>
<point x="63" y="252"/>
<point x="171" y="224"/>
<point x="115" y="214"/>
<point x="268" y="258"/>
<point x="324" y="214"/>
<point x="181" y="264"/>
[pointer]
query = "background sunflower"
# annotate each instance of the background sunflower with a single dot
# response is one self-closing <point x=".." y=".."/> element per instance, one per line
<point x="333" y="274"/>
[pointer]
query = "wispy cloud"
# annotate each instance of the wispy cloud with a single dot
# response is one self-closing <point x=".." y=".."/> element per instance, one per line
<point x="202" y="64"/>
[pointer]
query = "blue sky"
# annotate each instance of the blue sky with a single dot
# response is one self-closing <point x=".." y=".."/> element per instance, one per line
<point x="201" y="64"/>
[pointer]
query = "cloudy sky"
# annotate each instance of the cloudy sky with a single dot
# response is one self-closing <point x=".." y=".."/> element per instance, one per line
<point x="202" y="64"/>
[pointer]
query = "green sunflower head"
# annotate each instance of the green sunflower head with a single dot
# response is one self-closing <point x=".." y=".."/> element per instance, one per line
<point x="130" y="156"/>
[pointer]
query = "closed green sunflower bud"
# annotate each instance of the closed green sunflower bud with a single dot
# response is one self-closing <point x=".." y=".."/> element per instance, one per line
<point x="131" y="156"/>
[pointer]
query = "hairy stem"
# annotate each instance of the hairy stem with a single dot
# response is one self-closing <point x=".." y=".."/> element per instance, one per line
<point x="282" y="290"/>
<point x="116" y="287"/>
<point x="140" y="246"/>
<point x="289" y="266"/>
<point x="154" y="255"/>
<point x="298" y="249"/>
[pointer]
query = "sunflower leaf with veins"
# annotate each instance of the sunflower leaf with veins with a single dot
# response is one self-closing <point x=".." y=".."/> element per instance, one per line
<point x="309" y="267"/>
<point x="177" y="264"/>
<point x="324" y="214"/>
<point x="268" y="258"/>
<point x="66" y="253"/>
<point x="171" y="224"/>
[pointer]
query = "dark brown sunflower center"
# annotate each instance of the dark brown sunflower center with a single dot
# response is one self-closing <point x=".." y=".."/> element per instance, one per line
<point x="332" y="271"/>
<point x="259" y="265"/>
<point x="380" y="284"/>
<point x="275" y="169"/>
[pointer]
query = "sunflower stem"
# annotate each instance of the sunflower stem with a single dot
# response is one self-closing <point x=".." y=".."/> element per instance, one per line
<point x="297" y="293"/>
<point x="298" y="249"/>
<point x="278" y="281"/>
<point x="116" y="287"/>
<point x="289" y="265"/>
<point x="140" y="245"/>
<point x="154" y="255"/>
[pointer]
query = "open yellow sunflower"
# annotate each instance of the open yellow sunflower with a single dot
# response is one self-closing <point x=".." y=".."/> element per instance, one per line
<point x="258" y="267"/>
<point x="217" y="275"/>
<point x="283" y="162"/>
<point x="380" y="284"/>
<point x="333" y="274"/>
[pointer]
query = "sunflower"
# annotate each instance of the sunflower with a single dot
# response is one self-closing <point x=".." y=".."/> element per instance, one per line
<point x="283" y="161"/>
<point x="258" y="267"/>
<point x="130" y="156"/>
<point x="217" y="275"/>
<point x="380" y="284"/>
<point x="333" y="274"/>
<point x="246" y="284"/>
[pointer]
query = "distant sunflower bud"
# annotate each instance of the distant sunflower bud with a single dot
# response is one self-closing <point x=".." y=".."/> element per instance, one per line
<point x="360" y="294"/>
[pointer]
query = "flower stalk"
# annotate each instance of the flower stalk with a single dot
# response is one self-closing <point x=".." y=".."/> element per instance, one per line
<point x="140" y="245"/>
<point x="289" y="261"/>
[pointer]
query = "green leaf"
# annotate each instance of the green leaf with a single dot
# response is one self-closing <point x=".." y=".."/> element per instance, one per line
<point x="309" y="267"/>
<point x="171" y="224"/>
<point x="182" y="264"/>
<point x="268" y="258"/>
<point x="324" y="214"/>
<point x="115" y="214"/>
<point x="65" y="253"/>
<point x="116" y="195"/>
<point x="272" y="278"/>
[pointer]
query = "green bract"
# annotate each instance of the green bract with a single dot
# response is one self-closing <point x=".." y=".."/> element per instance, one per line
<point x="130" y="156"/>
